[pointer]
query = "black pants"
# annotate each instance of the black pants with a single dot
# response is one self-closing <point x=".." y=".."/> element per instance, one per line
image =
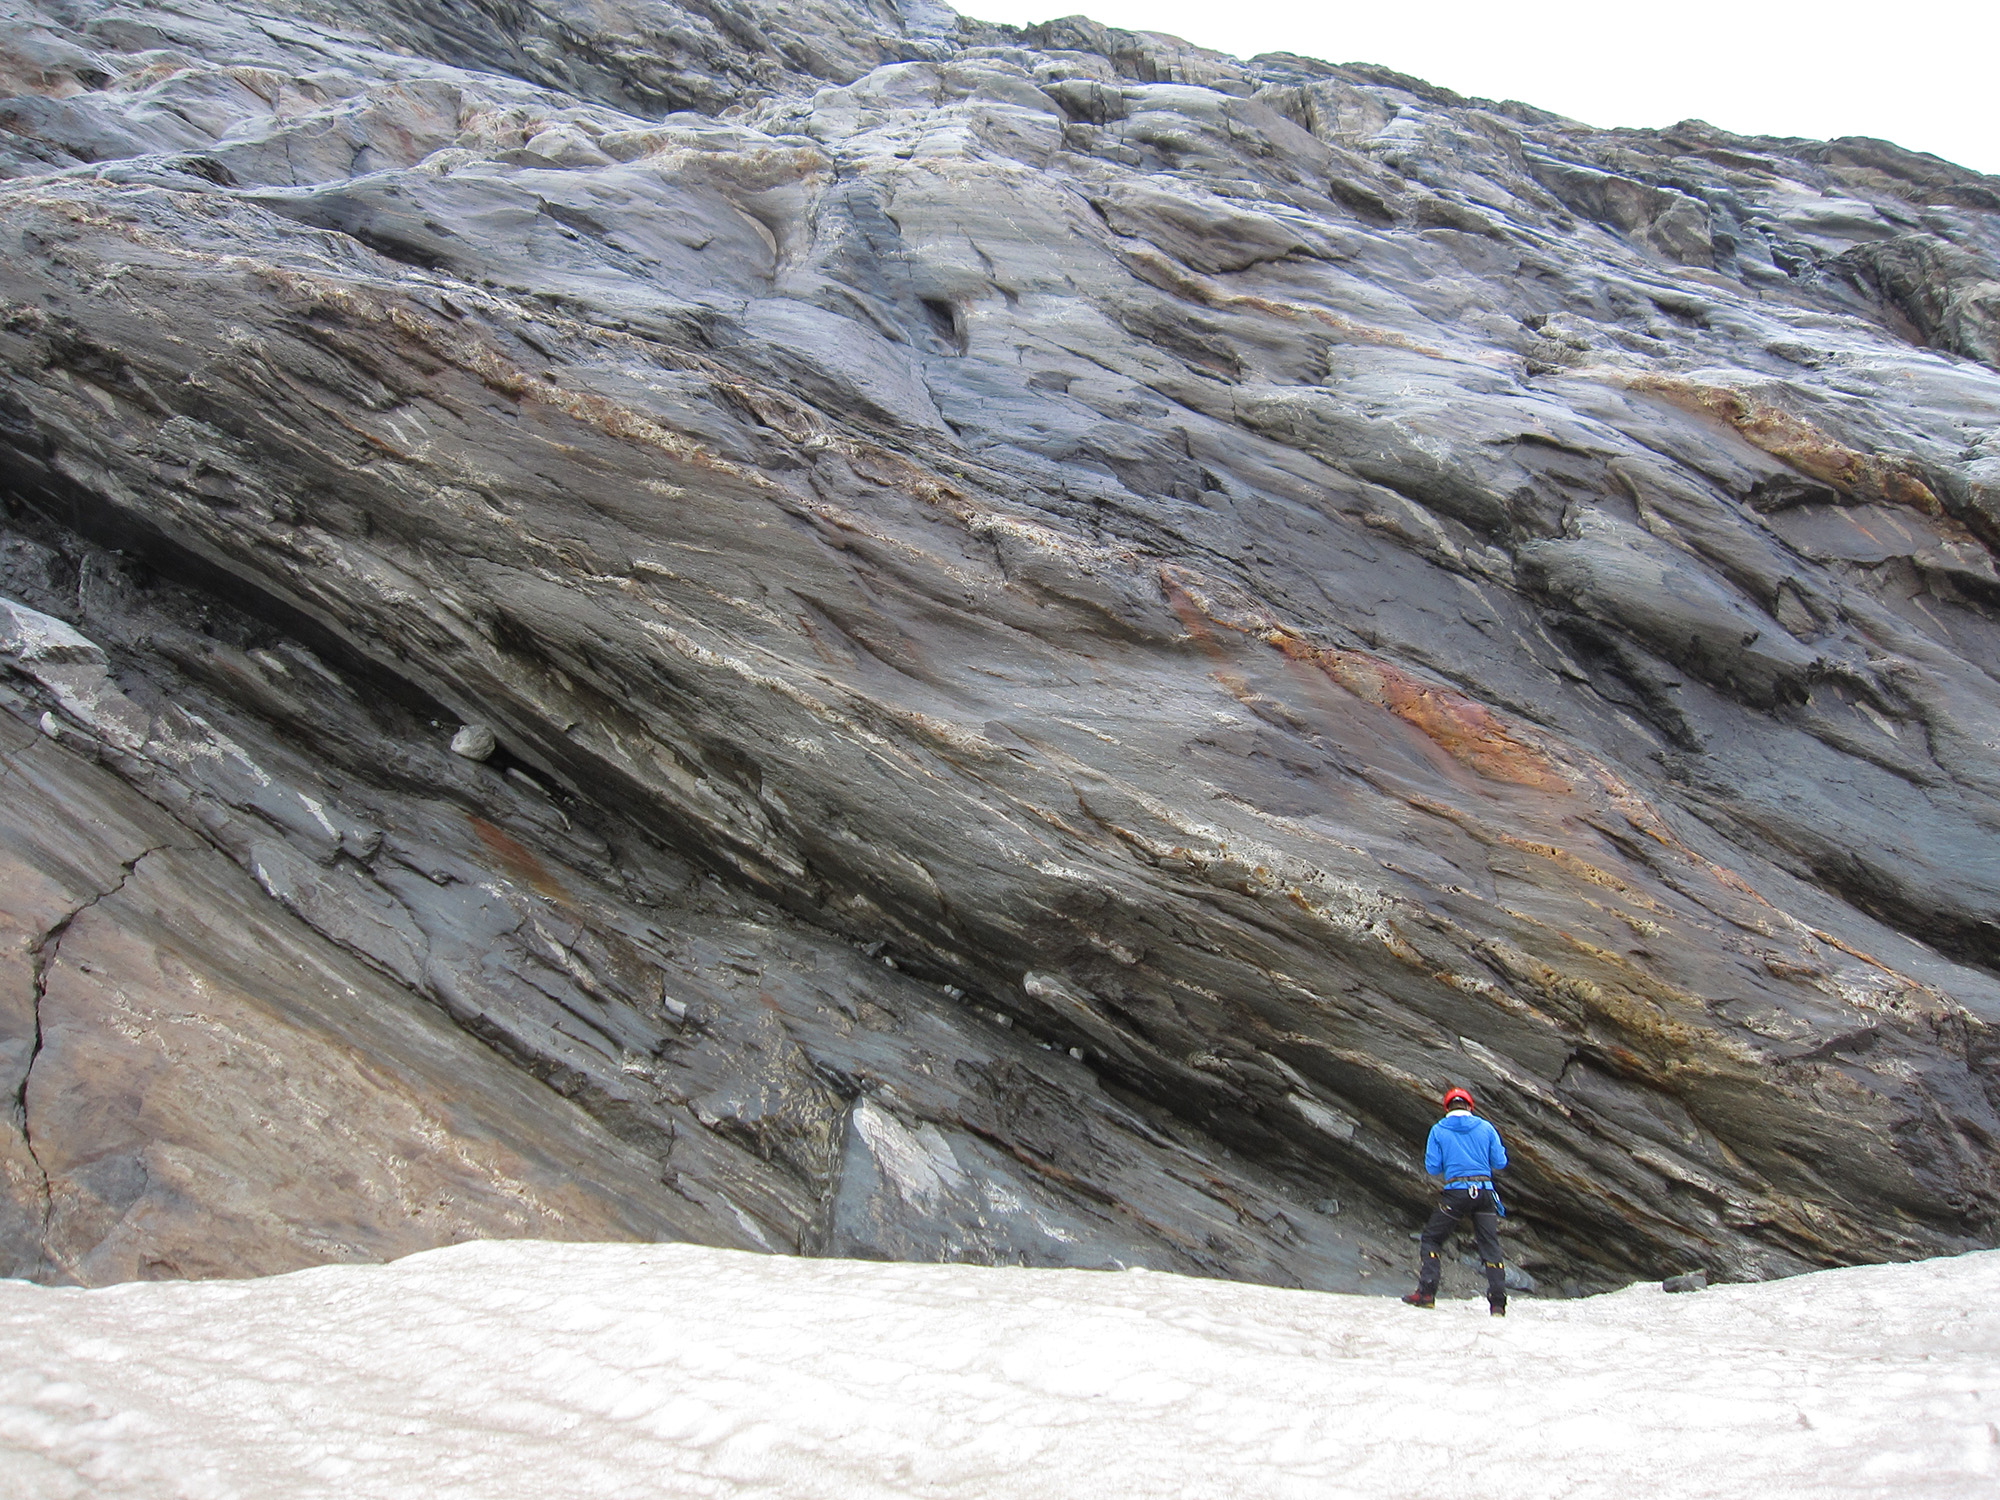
<point x="1454" y="1208"/>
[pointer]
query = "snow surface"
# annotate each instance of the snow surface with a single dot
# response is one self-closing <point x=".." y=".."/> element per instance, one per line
<point x="529" y="1371"/>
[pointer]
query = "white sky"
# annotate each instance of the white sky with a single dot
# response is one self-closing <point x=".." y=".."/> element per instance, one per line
<point x="1922" y="73"/>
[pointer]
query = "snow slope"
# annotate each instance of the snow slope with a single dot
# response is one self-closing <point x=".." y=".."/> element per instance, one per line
<point x="505" y="1371"/>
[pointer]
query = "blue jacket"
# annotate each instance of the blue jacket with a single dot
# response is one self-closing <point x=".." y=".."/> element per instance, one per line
<point x="1464" y="1148"/>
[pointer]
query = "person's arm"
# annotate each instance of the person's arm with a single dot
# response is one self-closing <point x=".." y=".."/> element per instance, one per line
<point x="1434" y="1156"/>
<point x="1496" y="1155"/>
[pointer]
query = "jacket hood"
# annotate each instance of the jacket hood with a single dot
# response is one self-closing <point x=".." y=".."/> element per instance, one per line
<point x="1460" y="1123"/>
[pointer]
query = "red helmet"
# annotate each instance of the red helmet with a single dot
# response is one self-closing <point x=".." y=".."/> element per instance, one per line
<point x="1459" y="1099"/>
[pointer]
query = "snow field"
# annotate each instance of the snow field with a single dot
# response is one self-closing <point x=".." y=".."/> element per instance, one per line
<point x="530" y="1371"/>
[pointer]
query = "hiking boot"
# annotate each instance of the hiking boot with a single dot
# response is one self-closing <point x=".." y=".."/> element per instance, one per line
<point x="1498" y="1309"/>
<point x="1421" y="1299"/>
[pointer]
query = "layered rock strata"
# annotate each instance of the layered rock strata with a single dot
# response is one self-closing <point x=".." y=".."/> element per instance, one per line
<point x="1070" y="628"/>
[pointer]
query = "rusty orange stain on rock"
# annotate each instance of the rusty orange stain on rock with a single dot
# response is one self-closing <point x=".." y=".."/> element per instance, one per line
<point x="1468" y="731"/>
<point x="520" y="861"/>
<point x="1487" y="743"/>
<point x="1792" y="439"/>
<point x="1190" y="611"/>
<point x="1471" y="733"/>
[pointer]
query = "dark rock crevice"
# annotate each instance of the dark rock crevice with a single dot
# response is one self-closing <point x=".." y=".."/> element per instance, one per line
<point x="43" y="957"/>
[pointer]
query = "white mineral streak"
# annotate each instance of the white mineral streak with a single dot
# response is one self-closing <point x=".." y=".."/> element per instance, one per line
<point x="918" y="1162"/>
<point x="531" y="1371"/>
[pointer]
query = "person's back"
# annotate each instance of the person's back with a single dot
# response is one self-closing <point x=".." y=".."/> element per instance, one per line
<point x="1463" y="1149"/>
<point x="1463" y="1152"/>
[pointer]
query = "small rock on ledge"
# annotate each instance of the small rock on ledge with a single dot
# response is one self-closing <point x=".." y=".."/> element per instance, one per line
<point x="1693" y="1281"/>
<point x="473" y="741"/>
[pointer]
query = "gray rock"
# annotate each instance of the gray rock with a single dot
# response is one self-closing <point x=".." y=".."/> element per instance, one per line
<point x="1517" y="1279"/>
<point x="206" y="1086"/>
<point x="1296" y="585"/>
<point x="1692" y="1281"/>
<point x="473" y="742"/>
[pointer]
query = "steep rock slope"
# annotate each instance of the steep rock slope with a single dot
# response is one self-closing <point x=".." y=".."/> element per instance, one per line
<point x="1074" y="626"/>
<point x="208" y="1090"/>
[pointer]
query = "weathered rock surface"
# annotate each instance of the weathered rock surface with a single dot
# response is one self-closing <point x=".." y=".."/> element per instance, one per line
<point x="208" y="1087"/>
<point x="1073" y="627"/>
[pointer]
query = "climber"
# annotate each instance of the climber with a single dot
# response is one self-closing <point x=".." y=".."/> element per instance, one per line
<point x="1463" y="1153"/>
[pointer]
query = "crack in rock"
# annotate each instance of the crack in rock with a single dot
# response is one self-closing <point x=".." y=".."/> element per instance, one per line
<point x="46" y="951"/>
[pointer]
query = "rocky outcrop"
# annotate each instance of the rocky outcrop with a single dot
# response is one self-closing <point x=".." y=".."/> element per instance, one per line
<point x="208" y="1089"/>
<point x="1070" y="628"/>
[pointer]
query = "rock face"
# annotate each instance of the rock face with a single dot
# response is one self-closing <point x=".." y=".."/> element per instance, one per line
<point x="1072" y="628"/>
<point x="211" y="1089"/>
